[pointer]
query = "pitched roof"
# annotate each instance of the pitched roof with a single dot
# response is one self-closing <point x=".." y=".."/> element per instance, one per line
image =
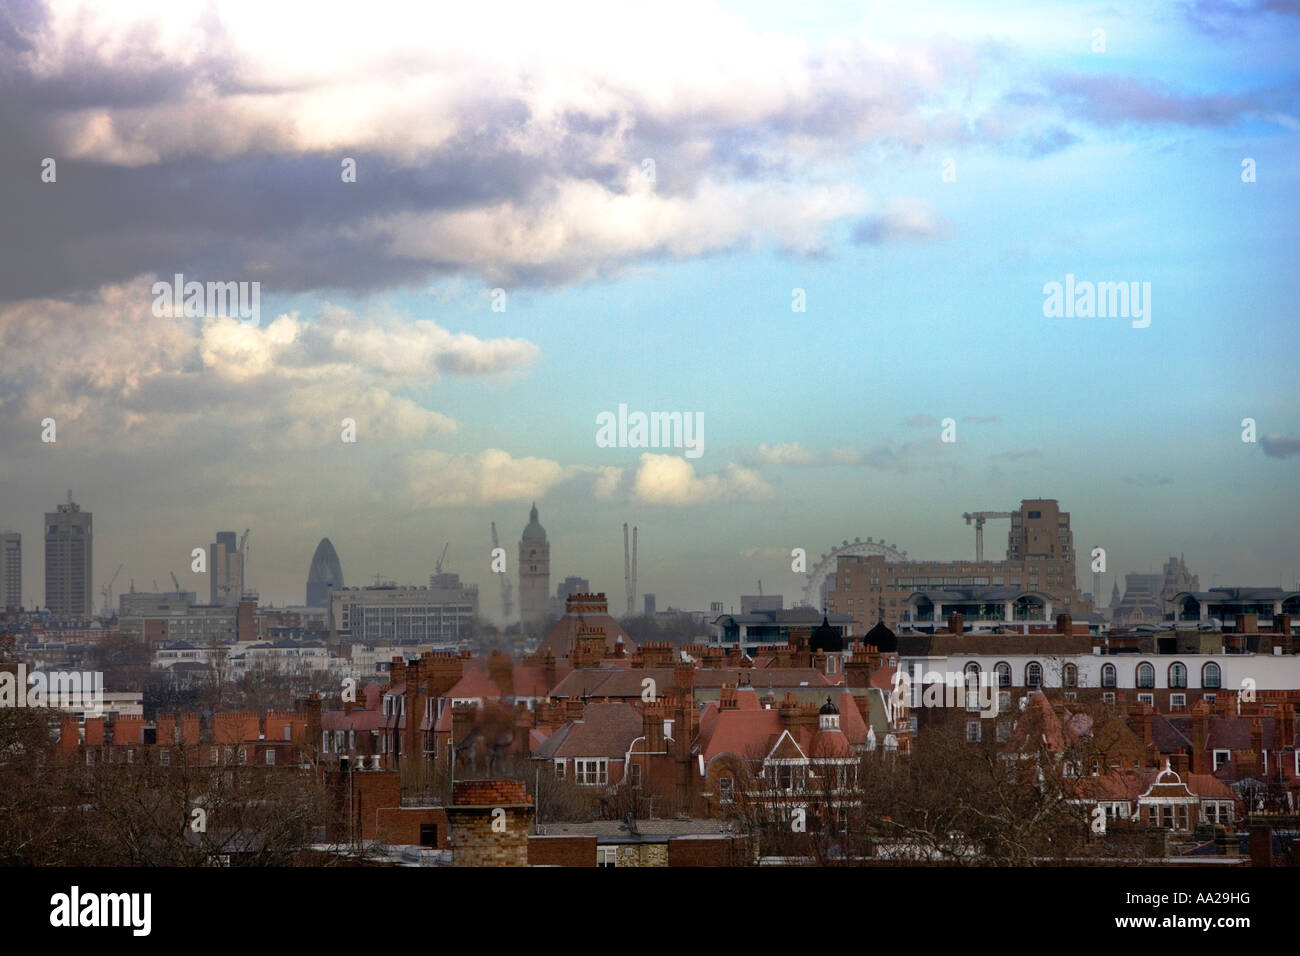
<point x="475" y="683"/>
<point x="606" y="730"/>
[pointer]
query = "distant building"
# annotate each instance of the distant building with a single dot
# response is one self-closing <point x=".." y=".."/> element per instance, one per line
<point x="11" y="570"/>
<point x="570" y="585"/>
<point x="763" y="621"/>
<point x="326" y="572"/>
<point x="69" y="560"/>
<point x="1040" y="529"/>
<point x="534" y="574"/>
<point x="225" y="570"/>
<point x="649" y="605"/>
<point x="403" y="615"/>
<point x="1141" y="603"/>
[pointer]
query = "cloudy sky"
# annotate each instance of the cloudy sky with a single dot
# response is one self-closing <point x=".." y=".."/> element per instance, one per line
<point x="649" y="186"/>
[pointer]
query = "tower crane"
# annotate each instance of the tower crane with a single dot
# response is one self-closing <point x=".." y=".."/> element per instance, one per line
<point x="438" y="568"/>
<point x="979" y="517"/>
<point x="507" y="602"/>
<point x="107" y="590"/>
<point x="176" y="584"/>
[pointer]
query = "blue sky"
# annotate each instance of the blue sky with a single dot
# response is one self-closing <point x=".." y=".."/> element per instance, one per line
<point x="792" y="151"/>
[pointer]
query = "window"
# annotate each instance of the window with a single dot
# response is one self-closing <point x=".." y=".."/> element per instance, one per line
<point x="243" y="755"/>
<point x="1033" y="674"/>
<point x="1146" y="675"/>
<point x="1070" y="675"/>
<point x="559" y="769"/>
<point x="1149" y="699"/>
<point x="288" y="731"/>
<point x="1108" y="676"/>
<point x="1221" y="757"/>
<point x="1211" y="676"/>
<point x="1004" y="701"/>
<point x="607" y="856"/>
<point x="165" y="758"/>
<point x="1219" y="811"/>
<point x="727" y="789"/>
<point x="634" y="775"/>
<point x="1004" y="731"/>
<point x="428" y="834"/>
<point x="270" y="758"/>
<point x="1108" y="697"/>
<point x="1177" y="674"/>
<point x="972" y="731"/>
<point x="1003" y="670"/>
<point x="591" y="771"/>
<point x="1177" y="700"/>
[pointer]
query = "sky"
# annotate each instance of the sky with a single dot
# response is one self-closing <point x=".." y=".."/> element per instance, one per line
<point x="561" y="209"/>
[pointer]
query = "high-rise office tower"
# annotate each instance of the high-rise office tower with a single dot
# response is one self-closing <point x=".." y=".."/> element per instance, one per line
<point x="326" y="572"/>
<point x="69" y="560"/>
<point x="11" y="570"/>
<point x="225" y="570"/>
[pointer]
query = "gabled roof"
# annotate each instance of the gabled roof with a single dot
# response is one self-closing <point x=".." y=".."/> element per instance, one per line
<point x="606" y="730"/>
<point x="475" y="683"/>
<point x="747" y="734"/>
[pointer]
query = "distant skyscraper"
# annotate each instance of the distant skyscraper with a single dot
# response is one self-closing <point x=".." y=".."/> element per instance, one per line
<point x="225" y="570"/>
<point x="649" y="605"/>
<point x="570" y="585"/>
<point x="11" y="570"/>
<point x="69" y="560"/>
<point x="534" y="573"/>
<point x="326" y="572"/>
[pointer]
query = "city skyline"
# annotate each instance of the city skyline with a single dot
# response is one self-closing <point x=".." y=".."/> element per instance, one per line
<point x="787" y="583"/>
<point x="816" y="243"/>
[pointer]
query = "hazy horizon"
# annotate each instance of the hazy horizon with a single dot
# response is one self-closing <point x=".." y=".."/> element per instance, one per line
<point x="507" y="267"/>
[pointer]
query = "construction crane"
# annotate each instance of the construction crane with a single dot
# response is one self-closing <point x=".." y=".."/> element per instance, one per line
<point x="979" y="517"/>
<point x="176" y="584"/>
<point x="507" y="603"/>
<point x="629" y="569"/>
<point x="107" y="590"/>
<point x="438" y="568"/>
<point x="243" y="551"/>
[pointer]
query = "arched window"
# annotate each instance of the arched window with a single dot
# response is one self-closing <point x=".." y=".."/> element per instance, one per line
<point x="1146" y="676"/>
<point x="1070" y="675"/>
<point x="972" y="671"/>
<point x="1211" y="676"/>
<point x="1108" y="675"/>
<point x="1033" y="674"/>
<point x="1177" y="674"/>
<point x="1004" y="674"/>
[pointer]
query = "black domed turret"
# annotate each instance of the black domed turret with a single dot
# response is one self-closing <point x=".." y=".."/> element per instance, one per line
<point x="826" y="638"/>
<point x="828" y="708"/>
<point x="885" y="640"/>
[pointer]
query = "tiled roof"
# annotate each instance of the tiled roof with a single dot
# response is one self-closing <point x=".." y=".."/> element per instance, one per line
<point x="606" y="730"/>
<point x="475" y="683"/>
<point x="560" y="640"/>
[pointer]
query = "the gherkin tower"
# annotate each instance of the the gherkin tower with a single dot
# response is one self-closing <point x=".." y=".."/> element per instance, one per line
<point x="325" y="573"/>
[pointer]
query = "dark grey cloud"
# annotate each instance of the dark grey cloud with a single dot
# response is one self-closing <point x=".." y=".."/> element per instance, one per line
<point x="1109" y="100"/>
<point x="1280" y="446"/>
<point x="1226" y="18"/>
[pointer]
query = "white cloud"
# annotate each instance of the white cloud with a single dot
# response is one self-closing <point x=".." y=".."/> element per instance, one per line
<point x="115" y="373"/>
<point x="669" y="480"/>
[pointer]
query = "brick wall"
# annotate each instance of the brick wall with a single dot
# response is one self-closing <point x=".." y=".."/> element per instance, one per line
<point x="477" y="838"/>
<point x="401" y="825"/>
<point x="564" y="850"/>
<point x="721" y="850"/>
